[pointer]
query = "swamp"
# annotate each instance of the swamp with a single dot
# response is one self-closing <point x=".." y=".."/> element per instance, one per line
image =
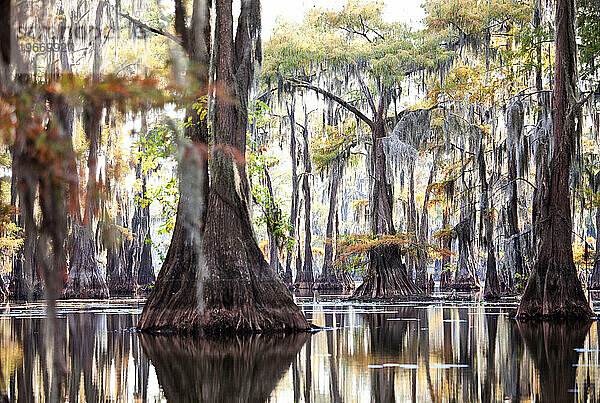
<point x="299" y="201"/>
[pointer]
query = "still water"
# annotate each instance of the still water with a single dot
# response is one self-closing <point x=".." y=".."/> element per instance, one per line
<point x="418" y="351"/>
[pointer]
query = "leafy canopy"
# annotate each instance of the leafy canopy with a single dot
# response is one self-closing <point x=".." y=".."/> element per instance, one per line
<point x="357" y="36"/>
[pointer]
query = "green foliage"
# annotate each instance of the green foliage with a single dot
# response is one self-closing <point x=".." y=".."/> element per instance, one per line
<point x="588" y="31"/>
<point x="475" y="17"/>
<point x="521" y="281"/>
<point x="276" y="220"/>
<point x="356" y="35"/>
<point x="334" y="145"/>
<point x="156" y="153"/>
<point x="167" y="195"/>
<point x="155" y="147"/>
<point x="11" y="237"/>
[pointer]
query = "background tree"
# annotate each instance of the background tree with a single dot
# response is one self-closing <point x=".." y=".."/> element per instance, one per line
<point x="554" y="290"/>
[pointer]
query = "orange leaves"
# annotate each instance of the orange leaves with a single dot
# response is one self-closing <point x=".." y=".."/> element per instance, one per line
<point x="355" y="246"/>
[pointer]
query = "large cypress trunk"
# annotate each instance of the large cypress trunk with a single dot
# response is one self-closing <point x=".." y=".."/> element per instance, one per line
<point x="229" y="287"/>
<point x="387" y="275"/>
<point x="24" y="281"/>
<point x="305" y="277"/>
<point x="173" y="302"/>
<point x="85" y="279"/>
<point x="554" y="290"/>
<point x="331" y="277"/>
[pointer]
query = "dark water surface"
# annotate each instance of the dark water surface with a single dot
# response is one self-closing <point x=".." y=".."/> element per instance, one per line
<point x="416" y="351"/>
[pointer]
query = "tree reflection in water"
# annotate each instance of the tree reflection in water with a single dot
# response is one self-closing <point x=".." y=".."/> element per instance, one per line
<point x="367" y="352"/>
<point x="236" y="369"/>
<point x="552" y="347"/>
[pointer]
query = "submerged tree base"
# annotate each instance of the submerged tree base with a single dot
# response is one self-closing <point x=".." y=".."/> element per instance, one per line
<point x="240" y="293"/>
<point x="465" y="287"/>
<point x="388" y="277"/>
<point x="85" y="280"/>
<point x="554" y="294"/>
<point x="334" y="280"/>
<point x="322" y="285"/>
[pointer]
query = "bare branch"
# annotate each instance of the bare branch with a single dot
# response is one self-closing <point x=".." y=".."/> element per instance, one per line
<point x="157" y="31"/>
<point x="351" y="108"/>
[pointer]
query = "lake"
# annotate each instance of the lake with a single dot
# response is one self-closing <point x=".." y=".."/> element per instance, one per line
<point x="413" y="351"/>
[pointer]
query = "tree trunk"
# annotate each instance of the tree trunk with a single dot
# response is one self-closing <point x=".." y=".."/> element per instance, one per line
<point x="119" y="277"/>
<point x="422" y="256"/>
<point x="513" y="251"/>
<point x="305" y="278"/>
<point x="174" y="300"/>
<point x="229" y="289"/>
<point x="3" y="290"/>
<point x="24" y="282"/>
<point x="464" y="278"/>
<point x="486" y="227"/>
<point x="287" y="279"/>
<point x="554" y="290"/>
<point x="595" y="277"/>
<point x="446" y="274"/>
<point x="331" y="277"/>
<point x="85" y="280"/>
<point x="412" y="261"/>
<point x="140" y="251"/>
<point x="387" y="275"/>
<point x="272" y="217"/>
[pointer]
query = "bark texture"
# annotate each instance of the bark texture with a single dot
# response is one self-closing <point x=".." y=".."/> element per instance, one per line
<point x="85" y="280"/>
<point x="554" y="290"/>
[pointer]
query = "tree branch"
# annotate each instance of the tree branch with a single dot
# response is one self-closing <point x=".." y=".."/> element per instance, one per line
<point x="351" y="108"/>
<point x="157" y="31"/>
